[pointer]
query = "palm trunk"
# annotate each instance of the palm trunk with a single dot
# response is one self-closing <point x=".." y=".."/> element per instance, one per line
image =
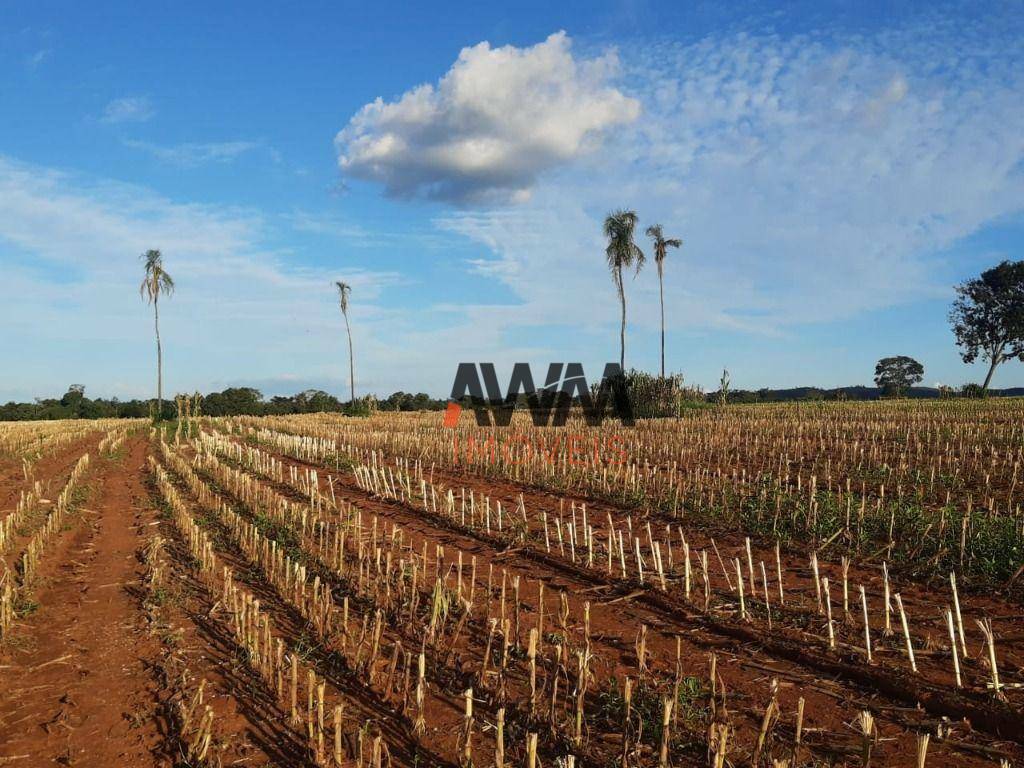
<point x="351" y="365"/>
<point x="159" y="362"/>
<point x="622" y="330"/>
<point x="996" y="358"/>
<point x="661" y="296"/>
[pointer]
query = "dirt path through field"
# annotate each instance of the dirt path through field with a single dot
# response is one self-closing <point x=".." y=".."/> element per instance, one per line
<point x="77" y="672"/>
<point x="52" y="470"/>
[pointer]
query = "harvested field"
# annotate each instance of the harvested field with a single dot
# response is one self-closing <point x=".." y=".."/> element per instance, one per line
<point x="801" y="585"/>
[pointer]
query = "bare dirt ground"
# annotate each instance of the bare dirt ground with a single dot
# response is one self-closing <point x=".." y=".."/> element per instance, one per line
<point x="78" y="676"/>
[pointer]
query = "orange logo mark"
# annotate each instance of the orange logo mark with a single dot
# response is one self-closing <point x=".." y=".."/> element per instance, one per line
<point x="451" y="416"/>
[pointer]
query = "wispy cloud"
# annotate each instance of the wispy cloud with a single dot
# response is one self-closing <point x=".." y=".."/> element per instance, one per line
<point x="355" y="234"/>
<point x="70" y="247"/>
<point x="335" y="227"/>
<point x="191" y="155"/>
<point x="35" y="60"/>
<point x="128" y="109"/>
<point x="244" y="310"/>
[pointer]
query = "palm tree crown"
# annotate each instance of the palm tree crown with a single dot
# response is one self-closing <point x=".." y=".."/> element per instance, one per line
<point x="156" y="281"/>
<point x="621" y="252"/>
<point x="661" y="244"/>
<point x="344" y="290"/>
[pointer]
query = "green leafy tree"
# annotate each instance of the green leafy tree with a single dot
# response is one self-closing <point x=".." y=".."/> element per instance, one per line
<point x="344" y="291"/>
<point x="73" y="399"/>
<point x="988" y="316"/>
<point x="972" y="390"/>
<point x="661" y="246"/>
<point x="234" y="401"/>
<point x="622" y="253"/>
<point x="316" y="401"/>
<point x="895" y="375"/>
<point x="155" y="284"/>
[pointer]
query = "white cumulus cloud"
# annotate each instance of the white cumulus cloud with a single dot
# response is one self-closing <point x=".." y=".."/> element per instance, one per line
<point x="498" y="119"/>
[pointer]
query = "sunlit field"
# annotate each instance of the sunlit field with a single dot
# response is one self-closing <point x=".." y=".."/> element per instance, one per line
<point x="802" y="584"/>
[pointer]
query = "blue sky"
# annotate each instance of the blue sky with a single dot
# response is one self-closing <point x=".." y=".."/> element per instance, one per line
<point x="832" y="169"/>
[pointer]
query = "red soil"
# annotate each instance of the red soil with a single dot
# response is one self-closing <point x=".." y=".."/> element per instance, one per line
<point x="77" y="671"/>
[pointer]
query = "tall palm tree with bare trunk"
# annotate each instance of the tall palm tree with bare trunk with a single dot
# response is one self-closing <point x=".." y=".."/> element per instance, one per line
<point x="344" y="290"/>
<point x="622" y="252"/>
<point x="661" y="246"/>
<point x="156" y="283"/>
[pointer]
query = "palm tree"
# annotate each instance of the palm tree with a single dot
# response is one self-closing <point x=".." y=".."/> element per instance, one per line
<point x="661" y="246"/>
<point x="344" y="289"/>
<point x="155" y="283"/>
<point x="622" y="252"/>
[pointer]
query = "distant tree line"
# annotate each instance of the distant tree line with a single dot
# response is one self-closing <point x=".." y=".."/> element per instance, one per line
<point x="652" y="396"/>
<point x="811" y="394"/>
<point x="234" y="401"/>
<point x="74" y="405"/>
